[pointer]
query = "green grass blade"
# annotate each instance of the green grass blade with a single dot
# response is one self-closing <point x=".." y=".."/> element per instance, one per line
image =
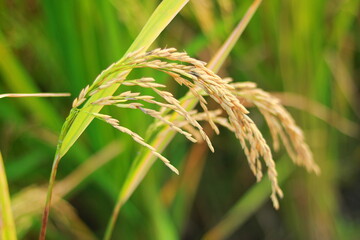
<point x="161" y="17"/>
<point x="7" y="226"/>
<point x="248" y="204"/>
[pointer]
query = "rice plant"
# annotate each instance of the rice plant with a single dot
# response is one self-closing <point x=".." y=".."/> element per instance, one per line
<point x="141" y="169"/>
<point x="197" y="77"/>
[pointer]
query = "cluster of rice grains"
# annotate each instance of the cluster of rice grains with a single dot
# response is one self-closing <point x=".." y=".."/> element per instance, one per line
<point x="202" y="81"/>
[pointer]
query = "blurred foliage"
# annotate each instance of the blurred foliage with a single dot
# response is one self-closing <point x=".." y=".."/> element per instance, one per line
<point x="311" y="48"/>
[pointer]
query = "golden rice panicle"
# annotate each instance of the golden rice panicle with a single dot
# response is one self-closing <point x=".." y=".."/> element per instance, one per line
<point x="220" y="90"/>
<point x="194" y="74"/>
<point x="280" y="123"/>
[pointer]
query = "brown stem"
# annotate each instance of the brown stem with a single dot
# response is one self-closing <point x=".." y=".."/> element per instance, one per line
<point x="46" y="212"/>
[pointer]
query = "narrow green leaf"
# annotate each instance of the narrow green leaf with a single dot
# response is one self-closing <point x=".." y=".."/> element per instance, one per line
<point x="7" y="226"/>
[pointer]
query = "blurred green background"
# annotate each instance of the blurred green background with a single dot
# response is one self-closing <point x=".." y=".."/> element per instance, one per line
<point x="307" y="52"/>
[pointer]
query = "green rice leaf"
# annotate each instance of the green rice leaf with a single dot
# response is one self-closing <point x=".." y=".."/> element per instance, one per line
<point x="7" y="226"/>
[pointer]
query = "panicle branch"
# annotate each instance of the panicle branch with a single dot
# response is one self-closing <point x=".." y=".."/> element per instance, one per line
<point x="115" y="123"/>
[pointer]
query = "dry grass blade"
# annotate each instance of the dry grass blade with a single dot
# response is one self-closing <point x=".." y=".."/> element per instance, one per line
<point x="22" y="95"/>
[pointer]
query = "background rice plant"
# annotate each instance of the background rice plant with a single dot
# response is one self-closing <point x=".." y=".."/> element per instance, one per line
<point x="305" y="48"/>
